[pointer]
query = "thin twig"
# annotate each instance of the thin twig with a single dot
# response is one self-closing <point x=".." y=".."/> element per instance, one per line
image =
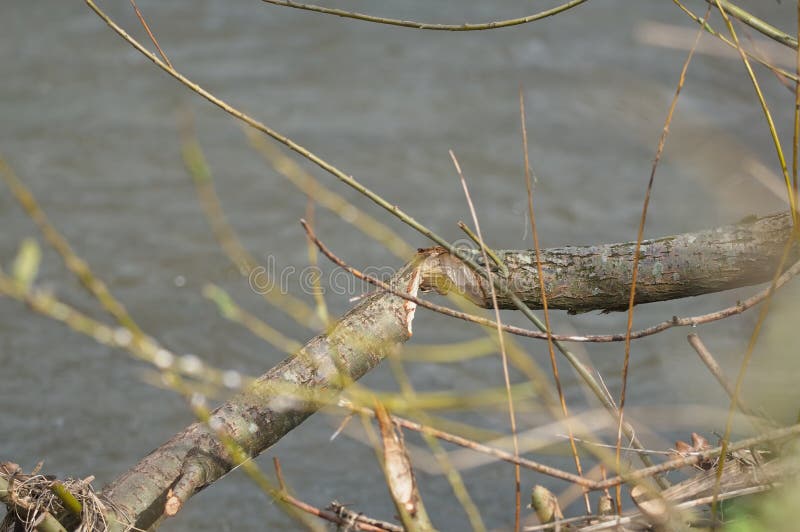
<point x="335" y="517"/>
<point x="639" y="237"/>
<point x="429" y="26"/>
<point x="767" y="115"/>
<point x="358" y="518"/>
<point x="279" y="473"/>
<point x="150" y="33"/>
<point x="489" y="251"/>
<point x="316" y="277"/>
<point x="761" y="26"/>
<point x="349" y="180"/>
<point x="481" y="448"/>
<point x="717" y="371"/>
<point x="718" y="35"/>
<point x="543" y="292"/>
<point x="500" y="339"/>
<point x="796" y="132"/>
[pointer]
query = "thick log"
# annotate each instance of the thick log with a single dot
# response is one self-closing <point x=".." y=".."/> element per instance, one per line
<point x="585" y="278"/>
<point x="258" y="417"/>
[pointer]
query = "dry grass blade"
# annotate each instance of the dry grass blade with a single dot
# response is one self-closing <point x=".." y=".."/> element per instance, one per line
<point x="150" y="33"/>
<point x="767" y="115"/>
<point x="503" y="355"/>
<point x="703" y="24"/>
<point x="543" y="291"/>
<point x="796" y="132"/>
<point x="316" y="275"/>
<point x="761" y="26"/>
<point x="639" y="237"/>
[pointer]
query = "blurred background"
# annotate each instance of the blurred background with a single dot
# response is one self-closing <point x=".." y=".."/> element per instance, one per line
<point x="92" y="128"/>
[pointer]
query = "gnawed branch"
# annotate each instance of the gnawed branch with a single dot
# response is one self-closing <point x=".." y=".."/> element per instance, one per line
<point x="585" y="278"/>
<point x="260" y="416"/>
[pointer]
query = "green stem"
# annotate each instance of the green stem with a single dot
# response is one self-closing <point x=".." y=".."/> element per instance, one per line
<point x="757" y="24"/>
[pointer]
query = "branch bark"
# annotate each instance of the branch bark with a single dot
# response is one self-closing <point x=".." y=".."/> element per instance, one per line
<point x="260" y="416"/>
<point x="584" y="278"/>
<point x="577" y="279"/>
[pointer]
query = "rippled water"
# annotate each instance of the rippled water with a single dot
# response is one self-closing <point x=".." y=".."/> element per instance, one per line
<point x="92" y="128"/>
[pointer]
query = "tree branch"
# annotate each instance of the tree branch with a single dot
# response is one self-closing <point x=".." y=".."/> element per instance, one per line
<point x="260" y="416"/>
<point x="577" y="279"/>
<point x="581" y="279"/>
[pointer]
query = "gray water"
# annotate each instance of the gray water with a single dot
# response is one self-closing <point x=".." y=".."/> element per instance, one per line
<point x="91" y="127"/>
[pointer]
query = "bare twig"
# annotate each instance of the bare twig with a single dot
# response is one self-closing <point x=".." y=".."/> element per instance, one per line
<point x="639" y="237"/>
<point x="150" y="33"/>
<point x="715" y="369"/>
<point x="429" y="26"/>
<point x="357" y="521"/>
<point x="761" y="26"/>
<point x="481" y="448"/>
<point x="316" y="277"/>
<point x="767" y="115"/>
<point x="630" y="476"/>
<point x="728" y="42"/>
<point x="543" y="291"/>
<point x="500" y="339"/>
<point x="357" y="517"/>
<point x="796" y="131"/>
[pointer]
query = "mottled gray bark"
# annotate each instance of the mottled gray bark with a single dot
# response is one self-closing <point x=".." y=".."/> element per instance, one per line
<point x="584" y="278"/>
<point x="258" y="417"/>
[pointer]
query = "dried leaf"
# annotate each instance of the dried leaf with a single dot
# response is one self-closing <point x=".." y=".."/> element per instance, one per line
<point x="397" y="465"/>
<point x="699" y="444"/>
